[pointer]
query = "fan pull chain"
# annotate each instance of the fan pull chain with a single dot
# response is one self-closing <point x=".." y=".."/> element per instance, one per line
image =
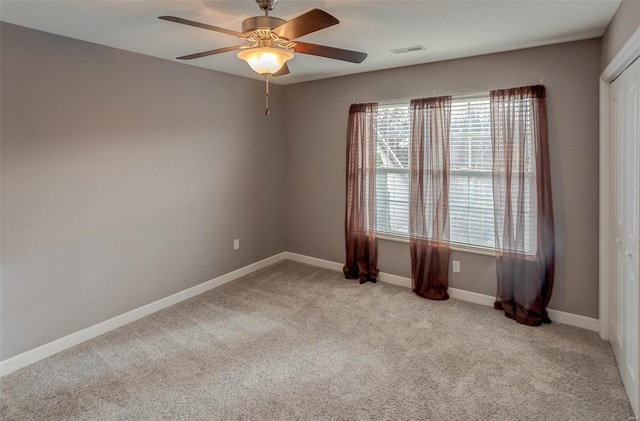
<point x="266" y="111"/>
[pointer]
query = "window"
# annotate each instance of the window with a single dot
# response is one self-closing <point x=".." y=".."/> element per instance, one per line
<point x="471" y="210"/>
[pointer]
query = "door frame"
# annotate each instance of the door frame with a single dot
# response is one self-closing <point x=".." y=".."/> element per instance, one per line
<point x="627" y="55"/>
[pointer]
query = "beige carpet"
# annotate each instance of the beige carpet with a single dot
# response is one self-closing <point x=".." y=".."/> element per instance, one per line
<point x="297" y="342"/>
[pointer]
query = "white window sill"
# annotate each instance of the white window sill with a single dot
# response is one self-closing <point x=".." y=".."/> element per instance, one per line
<point x="454" y="247"/>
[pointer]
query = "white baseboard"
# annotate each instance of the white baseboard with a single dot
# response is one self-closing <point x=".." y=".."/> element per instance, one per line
<point x="395" y="280"/>
<point x="314" y="261"/>
<point x="460" y="294"/>
<point x="29" y="357"/>
<point x="576" y="320"/>
<point x="472" y="297"/>
<point x="556" y="316"/>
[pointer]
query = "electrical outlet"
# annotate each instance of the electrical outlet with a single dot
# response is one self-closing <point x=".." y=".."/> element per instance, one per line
<point x="456" y="266"/>
<point x="236" y="244"/>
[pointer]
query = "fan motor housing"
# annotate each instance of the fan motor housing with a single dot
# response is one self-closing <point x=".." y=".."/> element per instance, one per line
<point x="261" y="22"/>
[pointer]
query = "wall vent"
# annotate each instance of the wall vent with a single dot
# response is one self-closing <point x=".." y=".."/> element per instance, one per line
<point x="408" y="49"/>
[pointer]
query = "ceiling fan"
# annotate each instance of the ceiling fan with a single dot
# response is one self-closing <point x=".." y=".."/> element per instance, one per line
<point x="270" y="41"/>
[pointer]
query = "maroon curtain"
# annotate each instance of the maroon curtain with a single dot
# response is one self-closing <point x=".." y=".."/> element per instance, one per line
<point x="361" y="246"/>
<point x="525" y="249"/>
<point x="429" y="202"/>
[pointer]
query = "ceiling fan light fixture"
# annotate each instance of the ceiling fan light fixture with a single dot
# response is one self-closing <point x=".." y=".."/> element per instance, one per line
<point x="272" y="41"/>
<point x="265" y="60"/>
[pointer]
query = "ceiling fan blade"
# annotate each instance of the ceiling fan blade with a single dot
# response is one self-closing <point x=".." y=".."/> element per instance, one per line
<point x="313" y="20"/>
<point x="212" y="52"/>
<point x="284" y="70"/>
<point x="201" y="25"/>
<point x="330" y="52"/>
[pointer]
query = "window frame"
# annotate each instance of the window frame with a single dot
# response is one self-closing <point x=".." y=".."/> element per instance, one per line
<point x="455" y="246"/>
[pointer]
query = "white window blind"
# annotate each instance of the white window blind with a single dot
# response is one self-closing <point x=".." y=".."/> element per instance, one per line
<point x="471" y="183"/>
<point x="392" y="170"/>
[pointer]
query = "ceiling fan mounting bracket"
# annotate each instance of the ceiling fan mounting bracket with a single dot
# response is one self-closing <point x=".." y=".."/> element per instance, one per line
<point x="266" y="5"/>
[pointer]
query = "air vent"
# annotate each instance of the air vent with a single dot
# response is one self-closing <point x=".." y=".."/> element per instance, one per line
<point x="408" y="49"/>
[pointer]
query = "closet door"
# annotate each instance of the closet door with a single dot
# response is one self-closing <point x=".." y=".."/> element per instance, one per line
<point x="625" y="121"/>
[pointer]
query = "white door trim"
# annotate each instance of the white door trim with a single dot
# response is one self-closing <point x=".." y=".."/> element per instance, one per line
<point x="627" y="54"/>
<point x="606" y="267"/>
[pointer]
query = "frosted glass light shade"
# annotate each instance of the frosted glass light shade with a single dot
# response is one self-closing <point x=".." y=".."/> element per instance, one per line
<point x="265" y="60"/>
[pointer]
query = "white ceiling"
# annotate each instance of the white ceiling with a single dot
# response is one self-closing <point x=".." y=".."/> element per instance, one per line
<point x="447" y="29"/>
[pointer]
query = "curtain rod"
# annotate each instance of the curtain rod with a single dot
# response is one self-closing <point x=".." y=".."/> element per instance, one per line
<point x="454" y="96"/>
<point x="466" y="95"/>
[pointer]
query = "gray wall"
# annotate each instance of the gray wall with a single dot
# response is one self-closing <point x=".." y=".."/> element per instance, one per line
<point x="624" y="23"/>
<point x="316" y="127"/>
<point x="125" y="179"/>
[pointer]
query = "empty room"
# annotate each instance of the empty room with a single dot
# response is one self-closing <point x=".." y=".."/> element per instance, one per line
<point x="346" y="210"/>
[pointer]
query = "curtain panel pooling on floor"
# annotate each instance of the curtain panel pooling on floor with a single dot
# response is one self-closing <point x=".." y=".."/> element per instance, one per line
<point x="429" y="201"/>
<point x="360" y="240"/>
<point x="520" y="156"/>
